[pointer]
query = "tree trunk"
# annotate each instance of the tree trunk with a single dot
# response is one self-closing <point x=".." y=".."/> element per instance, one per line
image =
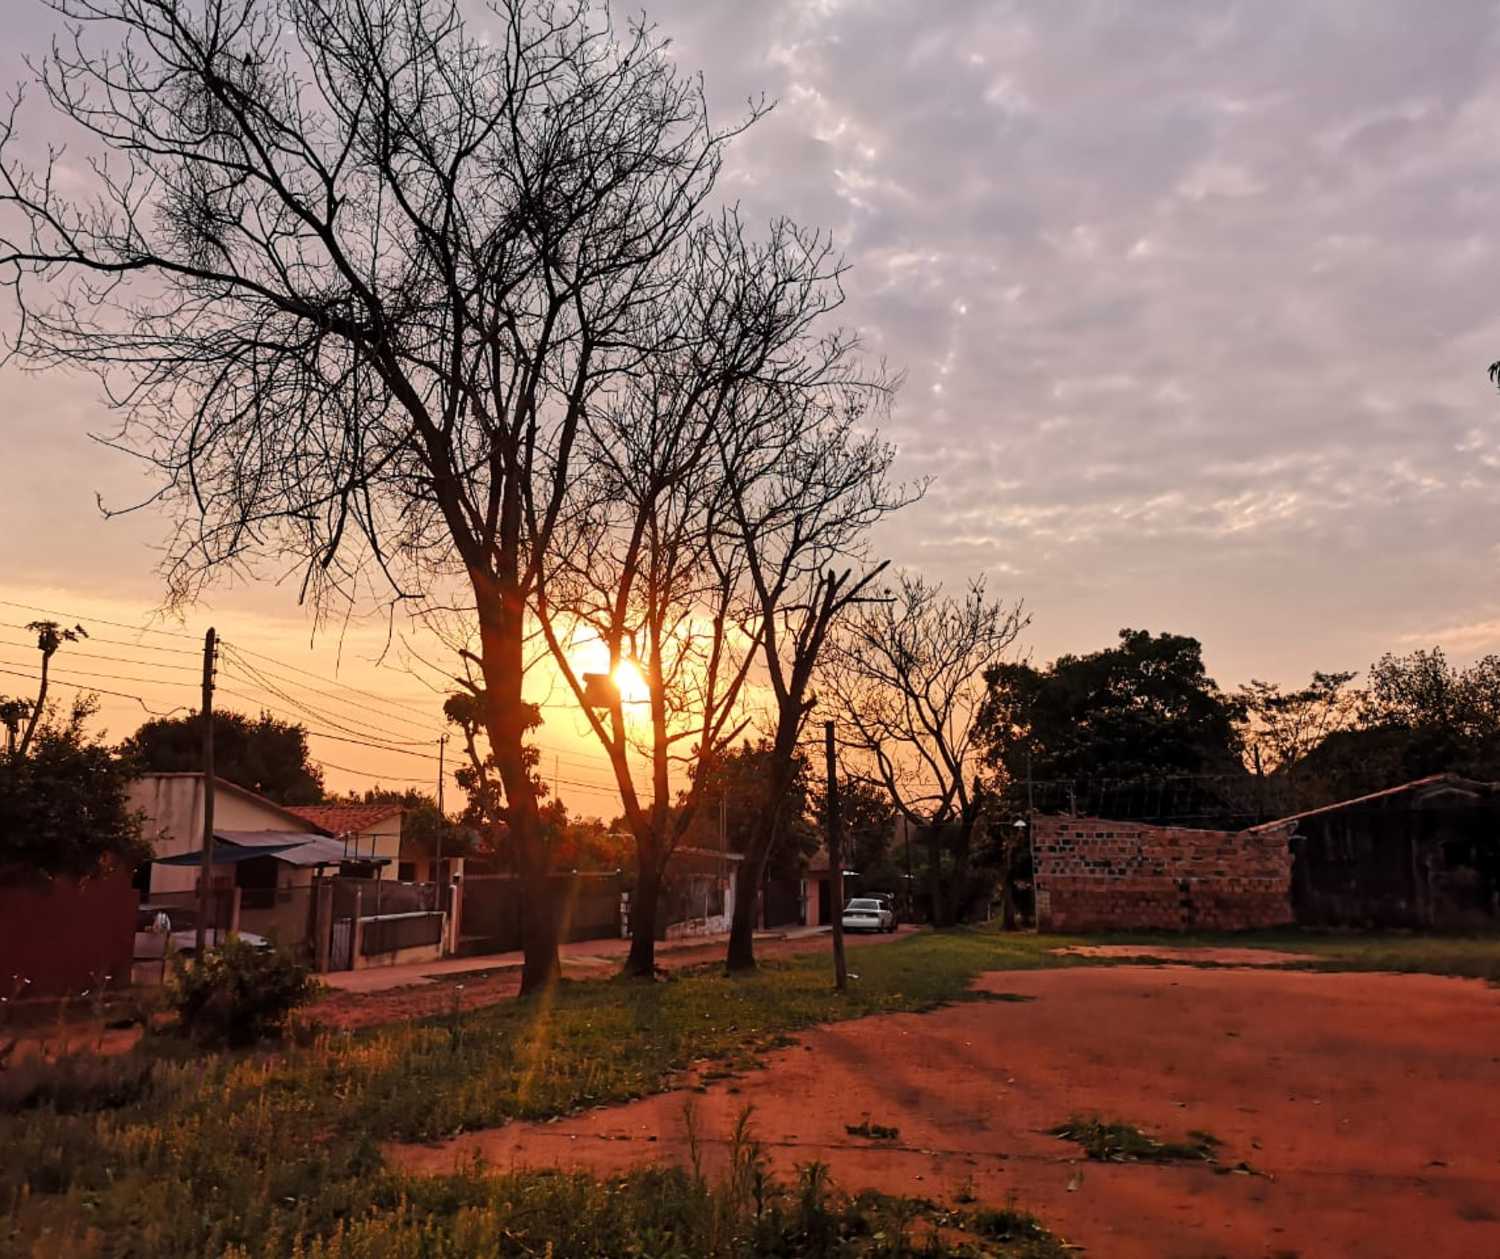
<point x="1007" y="892"/>
<point x="741" y="952"/>
<point x="501" y="612"/>
<point x="645" y="906"/>
<point x="541" y="966"/>
<point x="747" y="881"/>
<point x="935" y="875"/>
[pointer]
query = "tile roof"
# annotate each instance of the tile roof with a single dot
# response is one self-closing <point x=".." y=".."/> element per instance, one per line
<point x="345" y="819"/>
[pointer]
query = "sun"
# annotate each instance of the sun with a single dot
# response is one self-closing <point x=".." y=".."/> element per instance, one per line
<point x="633" y="686"/>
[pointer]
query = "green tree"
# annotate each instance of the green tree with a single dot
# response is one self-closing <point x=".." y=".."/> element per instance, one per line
<point x="262" y="753"/>
<point x="63" y="804"/>
<point x="1143" y="710"/>
<point x="1418" y="714"/>
<point x="739" y="790"/>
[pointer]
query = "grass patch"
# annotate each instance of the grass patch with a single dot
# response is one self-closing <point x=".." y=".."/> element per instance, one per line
<point x="252" y="1155"/>
<point x="1114" y="1142"/>
<point x="872" y="1131"/>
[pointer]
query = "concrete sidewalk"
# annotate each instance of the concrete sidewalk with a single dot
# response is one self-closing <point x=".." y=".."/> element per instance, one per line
<point x="582" y="957"/>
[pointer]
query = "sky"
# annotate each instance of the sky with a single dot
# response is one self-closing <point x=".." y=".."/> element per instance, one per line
<point x="1194" y="302"/>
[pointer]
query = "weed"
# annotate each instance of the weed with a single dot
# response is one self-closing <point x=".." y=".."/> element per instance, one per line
<point x="1114" y="1142"/>
<point x="874" y="1131"/>
<point x="76" y="1083"/>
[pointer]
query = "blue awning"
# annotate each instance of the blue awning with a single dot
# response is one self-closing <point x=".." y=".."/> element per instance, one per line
<point x="291" y="847"/>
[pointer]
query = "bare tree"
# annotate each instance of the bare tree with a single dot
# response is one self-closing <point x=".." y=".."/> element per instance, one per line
<point x="908" y="674"/>
<point x="660" y="572"/>
<point x="354" y="277"/>
<point x="803" y="485"/>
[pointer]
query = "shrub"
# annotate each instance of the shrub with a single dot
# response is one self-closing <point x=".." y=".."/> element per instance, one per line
<point x="238" y="994"/>
<point x="76" y="1083"/>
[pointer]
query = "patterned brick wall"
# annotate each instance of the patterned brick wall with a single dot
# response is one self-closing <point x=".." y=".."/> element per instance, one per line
<point x="1097" y="875"/>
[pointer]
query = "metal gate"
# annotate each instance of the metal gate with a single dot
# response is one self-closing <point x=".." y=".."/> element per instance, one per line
<point x="341" y="947"/>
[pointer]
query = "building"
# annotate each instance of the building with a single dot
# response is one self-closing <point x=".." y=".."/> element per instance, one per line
<point x="376" y="829"/>
<point x="1423" y="855"/>
<point x="173" y="807"/>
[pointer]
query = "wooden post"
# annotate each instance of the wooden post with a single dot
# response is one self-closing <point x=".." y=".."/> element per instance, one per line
<point x="835" y="862"/>
<point x="205" y="868"/>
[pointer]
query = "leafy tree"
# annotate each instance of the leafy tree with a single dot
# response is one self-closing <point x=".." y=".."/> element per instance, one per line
<point x="1417" y="715"/>
<point x="1142" y="710"/>
<point x="1287" y="725"/>
<point x="63" y="804"/>
<point x="868" y="821"/>
<point x="739" y="787"/>
<point x="262" y="753"/>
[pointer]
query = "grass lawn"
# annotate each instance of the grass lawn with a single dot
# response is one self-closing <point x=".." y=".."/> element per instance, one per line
<point x="271" y="1154"/>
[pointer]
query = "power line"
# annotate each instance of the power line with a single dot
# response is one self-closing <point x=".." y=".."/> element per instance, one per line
<point x="248" y="673"/>
<point x="87" y="673"/>
<point x="324" y="734"/>
<point x="335" y="698"/>
<point x="317" y="677"/>
<point x="115" y="642"/>
<point x="94" y="655"/>
<point x="364" y="773"/>
<point x="98" y="620"/>
<point x="97" y="690"/>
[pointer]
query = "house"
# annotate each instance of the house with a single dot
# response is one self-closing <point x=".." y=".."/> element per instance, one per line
<point x="1422" y="855"/>
<point x="173" y="809"/>
<point x="376" y="830"/>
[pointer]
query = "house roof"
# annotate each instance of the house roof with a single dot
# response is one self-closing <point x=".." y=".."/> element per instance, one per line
<point x="295" y="848"/>
<point x="346" y="819"/>
<point x="223" y="784"/>
<point x="1433" y="784"/>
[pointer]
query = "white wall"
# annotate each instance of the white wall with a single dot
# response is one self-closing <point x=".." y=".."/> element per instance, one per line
<point x="173" y="805"/>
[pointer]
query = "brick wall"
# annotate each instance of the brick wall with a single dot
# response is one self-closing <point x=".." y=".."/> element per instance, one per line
<point x="1097" y="875"/>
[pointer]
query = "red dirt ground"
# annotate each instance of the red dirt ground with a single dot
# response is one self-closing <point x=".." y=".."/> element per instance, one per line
<point x="1172" y="953"/>
<point x="1370" y="1102"/>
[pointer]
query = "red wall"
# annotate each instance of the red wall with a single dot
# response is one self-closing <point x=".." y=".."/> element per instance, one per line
<point x="65" y="935"/>
<point x="1098" y="875"/>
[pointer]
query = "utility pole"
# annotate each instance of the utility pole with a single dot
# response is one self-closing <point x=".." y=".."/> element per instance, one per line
<point x="835" y="862"/>
<point x="437" y="867"/>
<point x="205" y="869"/>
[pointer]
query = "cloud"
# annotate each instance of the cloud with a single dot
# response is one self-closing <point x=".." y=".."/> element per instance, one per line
<point x="1195" y="299"/>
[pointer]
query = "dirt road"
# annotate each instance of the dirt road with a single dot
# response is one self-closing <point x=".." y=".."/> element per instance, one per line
<point x="1368" y="1107"/>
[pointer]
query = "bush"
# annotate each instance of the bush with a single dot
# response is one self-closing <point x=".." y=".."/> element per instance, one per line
<point x="238" y="994"/>
<point x="76" y="1083"/>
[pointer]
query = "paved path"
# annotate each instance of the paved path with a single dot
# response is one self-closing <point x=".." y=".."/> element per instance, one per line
<point x="580" y="958"/>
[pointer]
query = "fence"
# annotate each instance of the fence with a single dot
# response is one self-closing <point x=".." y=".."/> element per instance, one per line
<point x="64" y="935"/>
<point x="588" y="909"/>
<point x="394" y="933"/>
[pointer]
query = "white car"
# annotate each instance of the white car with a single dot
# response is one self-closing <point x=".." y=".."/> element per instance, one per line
<point x="865" y="913"/>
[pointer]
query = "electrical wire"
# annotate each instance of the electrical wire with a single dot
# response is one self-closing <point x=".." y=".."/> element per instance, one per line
<point x="97" y="690"/>
<point x="117" y="642"/>
<point x="318" y="677"/>
<point x="56" y="675"/>
<point x="72" y="654"/>
<point x="324" y="734"/>
<point x="79" y="617"/>
<point x="330" y="695"/>
<point x="248" y="673"/>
